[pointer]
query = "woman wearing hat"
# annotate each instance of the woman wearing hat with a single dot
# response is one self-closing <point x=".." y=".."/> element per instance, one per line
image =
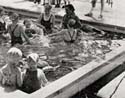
<point x="46" y="19"/>
<point x="16" y="31"/>
<point x="70" y="14"/>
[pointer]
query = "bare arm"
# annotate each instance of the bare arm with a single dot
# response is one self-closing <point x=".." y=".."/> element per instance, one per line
<point x="19" y="79"/>
<point x="53" y="21"/>
<point x="58" y="33"/>
<point x="22" y="30"/>
<point x="42" y="77"/>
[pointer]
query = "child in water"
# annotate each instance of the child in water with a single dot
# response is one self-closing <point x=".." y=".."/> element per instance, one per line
<point x="34" y="78"/>
<point x="10" y="74"/>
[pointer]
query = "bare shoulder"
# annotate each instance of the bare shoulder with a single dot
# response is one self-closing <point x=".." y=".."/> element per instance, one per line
<point x="4" y="68"/>
<point x="40" y="72"/>
<point x="20" y="26"/>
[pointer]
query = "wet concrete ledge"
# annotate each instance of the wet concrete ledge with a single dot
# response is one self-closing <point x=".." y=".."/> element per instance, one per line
<point x="77" y="80"/>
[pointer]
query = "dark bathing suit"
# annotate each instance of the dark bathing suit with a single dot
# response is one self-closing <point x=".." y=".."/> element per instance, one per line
<point x="30" y="82"/>
<point x="14" y="39"/>
<point x="47" y="24"/>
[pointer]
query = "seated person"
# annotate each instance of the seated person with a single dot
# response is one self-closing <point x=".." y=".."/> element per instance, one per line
<point x="34" y="78"/>
<point x="70" y="35"/>
<point x="31" y="29"/>
<point x="70" y="14"/>
<point x="47" y="20"/>
<point x="16" y="31"/>
<point x="28" y="30"/>
<point x="10" y="74"/>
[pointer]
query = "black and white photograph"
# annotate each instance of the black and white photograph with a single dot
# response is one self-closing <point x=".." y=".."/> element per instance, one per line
<point x="62" y="48"/>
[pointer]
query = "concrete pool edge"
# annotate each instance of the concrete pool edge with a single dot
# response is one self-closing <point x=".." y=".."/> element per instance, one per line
<point x="79" y="79"/>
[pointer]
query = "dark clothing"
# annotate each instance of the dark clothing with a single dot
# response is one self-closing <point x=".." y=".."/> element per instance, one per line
<point x="69" y="42"/>
<point x="2" y="27"/>
<point x="93" y="3"/>
<point x="29" y="32"/>
<point x="37" y="1"/>
<point x="31" y="82"/>
<point x="2" y="30"/>
<point x="47" y="24"/>
<point x="66" y="19"/>
<point x="14" y="39"/>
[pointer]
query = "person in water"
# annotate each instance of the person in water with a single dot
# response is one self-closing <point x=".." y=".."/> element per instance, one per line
<point x="70" y="14"/>
<point x="69" y="35"/>
<point x="34" y="78"/>
<point x="10" y="74"/>
<point x="16" y="31"/>
<point x="47" y="20"/>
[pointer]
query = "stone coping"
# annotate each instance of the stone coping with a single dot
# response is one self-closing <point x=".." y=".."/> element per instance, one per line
<point x="82" y="77"/>
<point x="77" y="80"/>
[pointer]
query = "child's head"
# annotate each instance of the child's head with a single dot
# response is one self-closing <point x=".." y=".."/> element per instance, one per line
<point x="27" y="23"/>
<point x="71" y="23"/>
<point x="14" y="17"/>
<point x="69" y="9"/>
<point x="14" y="55"/>
<point x="47" y="8"/>
<point x="32" y="60"/>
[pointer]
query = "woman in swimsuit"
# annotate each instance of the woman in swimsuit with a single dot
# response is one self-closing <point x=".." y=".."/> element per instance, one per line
<point x="46" y="20"/>
<point x="70" y="14"/>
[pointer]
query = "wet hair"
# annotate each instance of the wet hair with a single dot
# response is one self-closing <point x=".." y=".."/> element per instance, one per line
<point x="26" y="20"/>
<point x="70" y="7"/>
<point x="14" y="51"/>
<point x="47" y="6"/>
<point x="15" y="15"/>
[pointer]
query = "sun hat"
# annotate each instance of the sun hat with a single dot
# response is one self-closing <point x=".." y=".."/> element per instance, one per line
<point x="34" y="57"/>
